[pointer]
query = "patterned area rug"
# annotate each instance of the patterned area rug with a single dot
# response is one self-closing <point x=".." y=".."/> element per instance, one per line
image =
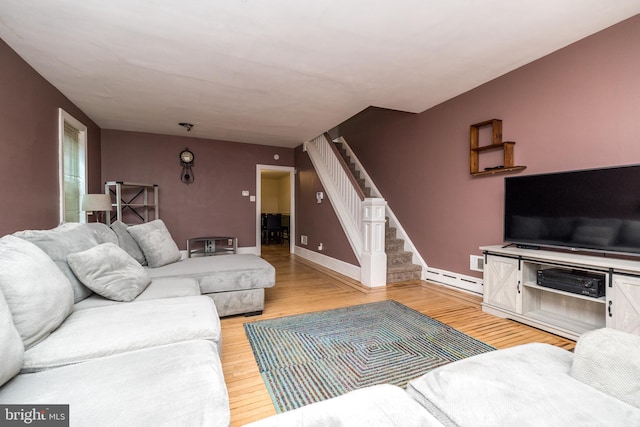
<point x="312" y="357"/>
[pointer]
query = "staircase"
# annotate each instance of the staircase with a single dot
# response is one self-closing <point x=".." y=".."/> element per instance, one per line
<point x="400" y="267"/>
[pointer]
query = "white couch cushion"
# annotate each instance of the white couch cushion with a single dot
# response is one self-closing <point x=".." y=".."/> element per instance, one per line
<point x="381" y="405"/>
<point x="110" y="272"/>
<point x="608" y="360"/>
<point x="58" y="243"/>
<point x="222" y="273"/>
<point x="11" y="347"/>
<point x="103" y="331"/>
<point x="171" y="287"/>
<point x="174" y="385"/>
<point x="38" y="294"/>
<point x="527" y="385"/>
<point x="156" y="243"/>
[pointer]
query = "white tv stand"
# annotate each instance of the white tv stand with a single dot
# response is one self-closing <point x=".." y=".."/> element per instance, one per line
<point x="510" y="291"/>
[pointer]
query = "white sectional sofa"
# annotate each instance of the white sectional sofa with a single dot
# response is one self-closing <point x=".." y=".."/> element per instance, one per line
<point x="235" y="283"/>
<point x="83" y="323"/>
<point x="529" y="385"/>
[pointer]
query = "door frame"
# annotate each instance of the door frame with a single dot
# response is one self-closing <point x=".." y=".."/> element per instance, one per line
<point x="292" y="171"/>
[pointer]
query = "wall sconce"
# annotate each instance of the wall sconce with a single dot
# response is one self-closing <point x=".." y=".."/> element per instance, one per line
<point x="96" y="203"/>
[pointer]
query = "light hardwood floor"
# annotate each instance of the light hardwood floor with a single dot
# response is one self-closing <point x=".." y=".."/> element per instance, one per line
<point x="303" y="287"/>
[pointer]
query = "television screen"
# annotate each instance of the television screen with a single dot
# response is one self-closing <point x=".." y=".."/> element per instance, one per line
<point x="594" y="210"/>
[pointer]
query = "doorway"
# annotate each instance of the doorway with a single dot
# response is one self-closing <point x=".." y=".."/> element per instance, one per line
<point x="275" y="199"/>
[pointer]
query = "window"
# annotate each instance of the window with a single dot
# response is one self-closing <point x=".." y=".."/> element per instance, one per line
<point x="72" y="166"/>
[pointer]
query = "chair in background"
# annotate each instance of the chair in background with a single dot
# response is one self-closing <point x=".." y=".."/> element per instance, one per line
<point x="273" y="228"/>
<point x="263" y="228"/>
<point x="285" y="227"/>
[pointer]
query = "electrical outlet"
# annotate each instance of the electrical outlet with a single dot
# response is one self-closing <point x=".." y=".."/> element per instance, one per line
<point x="230" y="242"/>
<point x="209" y="246"/>
<point x="303" y="240"/>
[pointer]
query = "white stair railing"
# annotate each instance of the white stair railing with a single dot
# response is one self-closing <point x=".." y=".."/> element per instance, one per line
<point x="393" y="220"/>
<point x="362" y="219"/>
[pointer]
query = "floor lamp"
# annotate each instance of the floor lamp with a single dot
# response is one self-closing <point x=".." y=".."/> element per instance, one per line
<point x="96" y="203"/>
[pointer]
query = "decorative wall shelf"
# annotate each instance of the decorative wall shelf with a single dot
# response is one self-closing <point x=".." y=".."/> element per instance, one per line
<point x="139" y="200"/>
<point x="507" y="148"/>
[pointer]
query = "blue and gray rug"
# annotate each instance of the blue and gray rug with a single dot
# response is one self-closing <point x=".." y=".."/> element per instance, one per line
<point x="312" y="357"/>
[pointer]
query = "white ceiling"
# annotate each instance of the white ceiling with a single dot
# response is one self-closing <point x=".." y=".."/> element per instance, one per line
<point x="279" y="72"/>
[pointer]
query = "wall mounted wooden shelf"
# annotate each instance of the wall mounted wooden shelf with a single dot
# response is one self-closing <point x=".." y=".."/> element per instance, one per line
<point x="496" y="144"/>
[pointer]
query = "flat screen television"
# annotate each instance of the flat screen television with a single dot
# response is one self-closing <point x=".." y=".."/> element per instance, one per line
<point x="587" y="210"/>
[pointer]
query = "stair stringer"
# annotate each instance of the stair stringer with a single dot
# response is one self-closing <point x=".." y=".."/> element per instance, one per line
<point x="393" y="220"/>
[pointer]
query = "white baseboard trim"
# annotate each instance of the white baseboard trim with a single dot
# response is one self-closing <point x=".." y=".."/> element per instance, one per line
<point x="344" y="268"/>
<point x="253" y="250"/>
<point x="456" y="280"/>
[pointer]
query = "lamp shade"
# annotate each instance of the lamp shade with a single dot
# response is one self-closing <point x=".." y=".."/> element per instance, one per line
<point x="96" y="202"/>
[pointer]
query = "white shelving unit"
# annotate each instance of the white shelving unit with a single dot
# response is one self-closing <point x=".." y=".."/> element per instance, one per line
<point x="133" y="202"/>
<point x="511" y="291"/>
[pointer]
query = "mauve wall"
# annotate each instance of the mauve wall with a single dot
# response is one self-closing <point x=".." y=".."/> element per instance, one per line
<point x="317" y="221"/>
<point x="29" y="146"/>
<point x="213" y="204"/>
<point x="576" y="108"/>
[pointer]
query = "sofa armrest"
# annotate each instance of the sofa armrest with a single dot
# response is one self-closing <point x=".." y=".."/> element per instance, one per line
<point x="607" y="359"/>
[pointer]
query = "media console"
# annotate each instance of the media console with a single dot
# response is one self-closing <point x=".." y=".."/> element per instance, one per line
<point x="511" y="290"/>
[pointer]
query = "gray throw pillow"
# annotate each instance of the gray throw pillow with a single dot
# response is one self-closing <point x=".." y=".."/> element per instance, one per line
<point x="58" y="243"/>
<point x="10" y="343"/>
<point x="103" y="233"/>
<point x="38" y="294"/>
<point x="156" y="243"/>
<point x="111" y="272"/>
<point x="127" y="243"/>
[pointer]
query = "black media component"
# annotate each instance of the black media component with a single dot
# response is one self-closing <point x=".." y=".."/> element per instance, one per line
<point x="574" y="281"/>
<point x="594" y="210"/>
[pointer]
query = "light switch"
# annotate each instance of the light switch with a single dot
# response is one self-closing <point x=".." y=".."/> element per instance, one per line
<point x="245" y="193"/>
<point x="252" y="198"/>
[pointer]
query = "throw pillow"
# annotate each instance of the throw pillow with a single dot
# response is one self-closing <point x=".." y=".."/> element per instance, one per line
<point x="103" y="233"/>
<point x="38" y="294"/>
<point x="10" y="343"/>
<point x="127" y="243"/>
<point x="111" y="272"/>
<point x="156" y="243"/>
<point x="58" y="243"/>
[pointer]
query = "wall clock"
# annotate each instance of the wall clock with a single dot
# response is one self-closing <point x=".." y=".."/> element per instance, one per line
<point x="186" y="156"/>
<point x="186" y="160"/>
